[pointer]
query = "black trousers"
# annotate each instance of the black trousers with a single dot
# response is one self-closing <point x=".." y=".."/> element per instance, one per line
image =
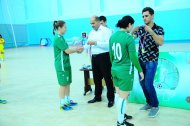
<point x="101" y="67"/>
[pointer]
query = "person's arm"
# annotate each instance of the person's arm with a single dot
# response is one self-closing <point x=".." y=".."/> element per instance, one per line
<point x="158" y="38"/>
<point x="110" y="52"/>
<point x="74" y="50"/>
<point x="103" y="43"/>
<point x="133" y="57"/>
<point x="61" y="44"/>
<point x="132" y="54"/>
<point x="71" y="50"/>
<point x="134" y="32"/>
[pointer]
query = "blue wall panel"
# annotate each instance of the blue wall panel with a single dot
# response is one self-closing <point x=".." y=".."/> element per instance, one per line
<point x="175" y="23"/>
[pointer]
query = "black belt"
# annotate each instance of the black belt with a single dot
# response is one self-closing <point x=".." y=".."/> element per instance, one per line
<point x="94" y="55"/>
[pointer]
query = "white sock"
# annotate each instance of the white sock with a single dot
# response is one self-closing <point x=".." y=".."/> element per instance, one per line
<point x="124" y="106"/>
<point x="116" y="98"/>
<point x="62" y="101"/>
<point x="121" y="109"/>
<point x="67" y="99"/>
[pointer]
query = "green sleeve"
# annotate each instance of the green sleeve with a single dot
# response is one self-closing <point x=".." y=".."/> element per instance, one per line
<point x="61" y="44"/>
<point x="132" y="54"/>
<point x="110" y="51"/>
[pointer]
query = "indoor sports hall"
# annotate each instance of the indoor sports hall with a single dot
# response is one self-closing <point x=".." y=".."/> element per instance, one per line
<point x="29" y="89"/>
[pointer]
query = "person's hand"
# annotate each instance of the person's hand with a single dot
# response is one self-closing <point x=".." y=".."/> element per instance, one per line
<point x="136" y="29"/>
<point x="148" y="29"/>
<point x="91" y="42"/>
<point x="142" y="76"/>
<point x="80" y="49"/>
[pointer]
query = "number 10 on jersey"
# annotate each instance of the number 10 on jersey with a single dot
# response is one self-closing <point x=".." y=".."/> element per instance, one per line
<point x="116" y="47"/>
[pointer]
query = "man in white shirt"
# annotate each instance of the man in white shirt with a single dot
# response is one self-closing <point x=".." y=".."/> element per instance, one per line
<point x="98" y="41"/>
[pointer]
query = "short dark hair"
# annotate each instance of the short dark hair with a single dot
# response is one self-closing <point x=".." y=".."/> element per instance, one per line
<point x="57" y="24"/>
<point x="149" y="9"/>
<point x="96" y="18"/>
<point x="124" y="22"/>
<point x="0" y="36"/>
<point x="103" y="18"/>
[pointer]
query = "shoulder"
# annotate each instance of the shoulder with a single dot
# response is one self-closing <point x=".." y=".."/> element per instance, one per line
<point x="59" y="38"/>
<point x="129" y="36"/>
<point x="159" y="27"/>
<point x="116" y="34"/>
<point x="91" y="32"/>
<point x="141" y="28"/>
<point x="105" y="29"/>
<point x="159" y="30"/>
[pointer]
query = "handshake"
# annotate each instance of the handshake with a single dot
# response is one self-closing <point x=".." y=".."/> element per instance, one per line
<point x="79" y="49"/>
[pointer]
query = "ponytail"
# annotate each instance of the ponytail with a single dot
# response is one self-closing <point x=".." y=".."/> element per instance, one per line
<point x="54" y="27"/>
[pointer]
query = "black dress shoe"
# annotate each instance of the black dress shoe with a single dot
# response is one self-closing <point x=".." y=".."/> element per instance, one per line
<point x="127" y="117"/>
<point x="94" y="100"/>
<point x="110" y="104"/>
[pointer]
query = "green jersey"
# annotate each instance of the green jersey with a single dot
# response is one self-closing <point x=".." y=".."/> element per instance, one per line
<point x="62" y="60"/>
<point x="123" y="52"/>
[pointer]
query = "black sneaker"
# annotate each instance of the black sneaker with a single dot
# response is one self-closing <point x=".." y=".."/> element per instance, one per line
<point x="125" y="123"/>
<point x="126" y="117"/>
<point x="110" y="104"/>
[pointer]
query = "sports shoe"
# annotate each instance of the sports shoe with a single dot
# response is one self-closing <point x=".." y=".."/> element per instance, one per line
<point x="72" y="103"/>
<point x="126" y="117"/>
<point x="125" y="123"/>
<point x="66" y="108"/>
<point x="3" y="101"/>
<point x="153" y="112"/>
<point x="145" y="108"/>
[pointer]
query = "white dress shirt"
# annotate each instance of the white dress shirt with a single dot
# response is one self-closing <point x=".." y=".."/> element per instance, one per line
<point x="101" y="37"/>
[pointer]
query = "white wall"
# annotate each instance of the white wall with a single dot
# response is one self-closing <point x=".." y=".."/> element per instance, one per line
<point x="12" y="11"/>
<point x="29" y="11"/>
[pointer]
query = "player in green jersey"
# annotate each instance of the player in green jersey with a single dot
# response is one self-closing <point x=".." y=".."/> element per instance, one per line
<point x="123" y="58"/>
<point x="62" y="64"/>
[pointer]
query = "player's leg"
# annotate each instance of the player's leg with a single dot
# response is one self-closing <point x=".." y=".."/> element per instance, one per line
<point x="116" y="94"/>
<point x="149" y="84"/>
<point x="145" y="91"/>
<point x="121" y="109"/>
<point x="105" y="68"/>
<point x="68" y="99"/>
<point x="97" y="77"/>
<point x="126" y="116"/>
<point x="125" y="85"/>
<point x="62" y="91"/>
<point x="2" y="56"/>
<point x="68" y="79"/>
<point x="62" y="79"/>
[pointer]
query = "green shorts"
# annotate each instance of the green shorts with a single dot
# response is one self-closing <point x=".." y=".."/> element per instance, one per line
<point x="123" y="80"/>
<point x="64" y="77"/>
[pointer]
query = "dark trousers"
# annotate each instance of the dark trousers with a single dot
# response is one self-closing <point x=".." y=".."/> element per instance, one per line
<point x="149" y="70"/>
<point x="101" y="67"/>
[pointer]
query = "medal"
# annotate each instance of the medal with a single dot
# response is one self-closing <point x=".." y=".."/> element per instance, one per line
<point x="142" y="44"/>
